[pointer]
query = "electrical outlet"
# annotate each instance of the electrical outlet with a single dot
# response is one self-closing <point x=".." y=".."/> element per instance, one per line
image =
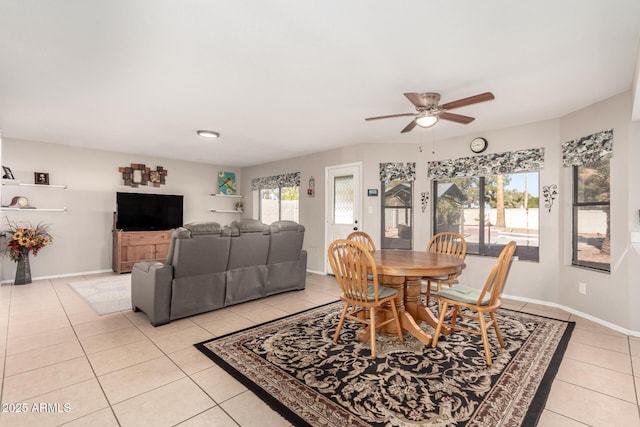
<point x="582" y="288"/>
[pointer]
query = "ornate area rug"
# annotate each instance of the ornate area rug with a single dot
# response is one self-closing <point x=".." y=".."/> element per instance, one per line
<point x="294" y="366"/>
<point x="107" y="295"/>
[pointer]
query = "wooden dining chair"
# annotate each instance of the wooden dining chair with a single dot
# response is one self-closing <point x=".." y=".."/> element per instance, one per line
<point x="480" y="301"/>
<point x="364" y="238"/>
<point x="362" y="296"/>
<point x="448" y="243"/>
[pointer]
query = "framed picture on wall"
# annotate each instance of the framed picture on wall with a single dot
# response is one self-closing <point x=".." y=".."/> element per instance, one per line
<point x="41" y="178"/>
<point x="6" y="173"/>
<point x="227" y="183"/>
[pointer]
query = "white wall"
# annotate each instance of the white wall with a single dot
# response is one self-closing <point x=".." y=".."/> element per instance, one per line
<point x="82" y="236"/>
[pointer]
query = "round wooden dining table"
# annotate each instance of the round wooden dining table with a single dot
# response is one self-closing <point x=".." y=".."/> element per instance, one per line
<point x="403" y="271"/>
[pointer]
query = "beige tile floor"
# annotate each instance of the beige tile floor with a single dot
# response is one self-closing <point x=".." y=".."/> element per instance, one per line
<point x="80" y="369"/>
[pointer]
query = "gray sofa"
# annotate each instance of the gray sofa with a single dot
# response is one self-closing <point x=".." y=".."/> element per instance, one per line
<point x="209" y="266"/>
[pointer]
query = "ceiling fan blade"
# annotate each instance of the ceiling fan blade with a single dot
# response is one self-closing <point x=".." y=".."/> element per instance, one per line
<point x="416" y="99"/>
<point x="409" y="127"/>
<point x="390" y="116"/>
<point x="458" y="118"/>
<point x="487" y="96"/>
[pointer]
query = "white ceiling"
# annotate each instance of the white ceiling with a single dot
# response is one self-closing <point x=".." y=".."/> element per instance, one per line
<point x="283" y="78"/>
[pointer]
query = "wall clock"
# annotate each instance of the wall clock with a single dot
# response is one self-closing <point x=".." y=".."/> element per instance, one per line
<point x="478" y="145"/>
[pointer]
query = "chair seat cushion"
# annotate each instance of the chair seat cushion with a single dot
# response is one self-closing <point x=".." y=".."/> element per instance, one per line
<point x="443" y="277"/>
<point x="383" y="292"/>
<point x="464" y="294"/>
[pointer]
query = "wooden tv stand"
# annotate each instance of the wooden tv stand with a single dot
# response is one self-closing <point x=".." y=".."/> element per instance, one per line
<point x="130" y="247"/>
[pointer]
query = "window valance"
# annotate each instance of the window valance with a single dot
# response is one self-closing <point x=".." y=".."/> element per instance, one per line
<point x="285" y="180"/>
<point x="401" y="171"/>
<point x="598" y="146"/>
<point x="529" y="160"/>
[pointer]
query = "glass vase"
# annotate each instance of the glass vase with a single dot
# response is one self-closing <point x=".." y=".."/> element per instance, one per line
<point x="23" y="270"/>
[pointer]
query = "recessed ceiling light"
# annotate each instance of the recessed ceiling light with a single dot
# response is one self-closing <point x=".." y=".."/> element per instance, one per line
<point x="208" y="134"/>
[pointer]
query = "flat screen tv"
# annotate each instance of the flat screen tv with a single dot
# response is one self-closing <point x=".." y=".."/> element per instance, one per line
<point x="144" y="212"/>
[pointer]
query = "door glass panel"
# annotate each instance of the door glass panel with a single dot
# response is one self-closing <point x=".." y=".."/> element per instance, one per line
<point x="343" y="203"/>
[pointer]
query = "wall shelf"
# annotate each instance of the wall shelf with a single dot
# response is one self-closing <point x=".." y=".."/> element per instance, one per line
<point x="225" y="211"/>
<point x="229" y="196"/>
<point x="237" y="196"/>
<point x="7" y="209"/>
<point x="16" y="183"/>
<point x="13" y="182"/>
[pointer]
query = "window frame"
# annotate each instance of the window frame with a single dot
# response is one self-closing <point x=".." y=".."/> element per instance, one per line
<point x="524" y="253"/>
<point x="575" y="208"/>
<point x="383" y="208"/>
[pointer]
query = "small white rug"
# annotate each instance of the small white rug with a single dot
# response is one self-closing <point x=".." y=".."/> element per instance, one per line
<point x="107" y="295"/>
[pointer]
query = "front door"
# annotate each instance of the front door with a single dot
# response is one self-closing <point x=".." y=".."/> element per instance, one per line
<point x="344" y="203"/>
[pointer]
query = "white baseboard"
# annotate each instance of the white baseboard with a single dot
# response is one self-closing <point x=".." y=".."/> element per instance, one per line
<point x="57" y="276"/>
<point x="577" y="313"/>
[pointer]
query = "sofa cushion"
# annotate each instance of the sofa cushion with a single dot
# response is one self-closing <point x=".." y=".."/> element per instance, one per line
<point x="286" y="241"/>
<point x="248" y="225"/>
<point x="249" y="244"/>
<point x="203" y="227"/>
<point x="286" y="225"/>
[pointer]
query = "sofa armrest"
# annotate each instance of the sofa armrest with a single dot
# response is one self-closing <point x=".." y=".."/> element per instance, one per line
<point x="151" y="290"/>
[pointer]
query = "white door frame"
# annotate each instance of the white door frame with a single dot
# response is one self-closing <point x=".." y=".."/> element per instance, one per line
<point x="357" y="169"/>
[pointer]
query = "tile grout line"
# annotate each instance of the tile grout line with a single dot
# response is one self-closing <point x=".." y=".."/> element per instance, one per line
<point x="6" y="346"/>
<point x="95" y="376"/>
<point x="633" y="377"/>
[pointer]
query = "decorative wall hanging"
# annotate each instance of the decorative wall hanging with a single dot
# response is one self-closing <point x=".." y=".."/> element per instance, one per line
<point x="589" y="149"/>
<point x="276" y="181"/>
<point x="138" y="174"/>
<point x="529" y="160"/>
<point x="424" y="199"/>
<point x="549" y="192"/>
<point x="227" y="183"/>
<point x="311" y="191"/>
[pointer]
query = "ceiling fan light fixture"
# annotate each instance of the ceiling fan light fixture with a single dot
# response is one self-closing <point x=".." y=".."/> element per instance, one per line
<point x="208" y="134"/>
<point x="427" y="120"/>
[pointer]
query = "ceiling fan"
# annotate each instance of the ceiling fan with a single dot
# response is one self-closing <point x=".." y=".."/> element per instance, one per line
<point x="429" y="112"/>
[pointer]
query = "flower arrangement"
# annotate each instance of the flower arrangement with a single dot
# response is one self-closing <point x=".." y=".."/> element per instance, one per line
<point x="24" y="239"/>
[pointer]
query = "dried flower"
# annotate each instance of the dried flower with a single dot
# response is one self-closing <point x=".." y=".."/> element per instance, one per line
<point x="23" y="239"/>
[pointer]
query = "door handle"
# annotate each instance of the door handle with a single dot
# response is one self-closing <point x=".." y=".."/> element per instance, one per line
<point x="355" y="228"/>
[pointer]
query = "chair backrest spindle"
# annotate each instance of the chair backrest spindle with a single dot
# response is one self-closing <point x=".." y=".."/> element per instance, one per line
<point x="449" y="243"/>
<point x="351" y="261"/>
<point x="364" y="238"/>
<point x="498" y="275"/>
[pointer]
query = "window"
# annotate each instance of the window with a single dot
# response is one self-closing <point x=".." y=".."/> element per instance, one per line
<point x="490" y="211"/>
<point x="278" y="197"/>
<point x="591" y="215"/>
<point x="397" y="214"/>
<point x="589" y="159"/>
<point x="279" y="203"/>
